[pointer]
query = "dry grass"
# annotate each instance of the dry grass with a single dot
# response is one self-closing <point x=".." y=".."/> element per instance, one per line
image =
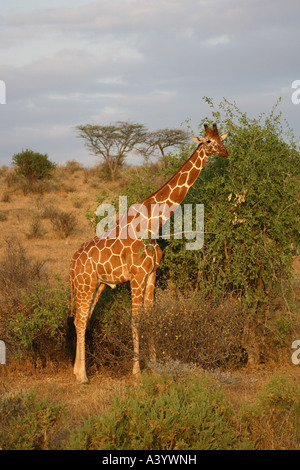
<point x="23" y="217"/>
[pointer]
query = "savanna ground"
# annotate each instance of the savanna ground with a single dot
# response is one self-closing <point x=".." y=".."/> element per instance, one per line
<point x="24" y="218"/>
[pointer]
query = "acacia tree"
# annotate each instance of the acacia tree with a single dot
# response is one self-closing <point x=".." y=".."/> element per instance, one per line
<point x="113" y="142"/>
<point x="164" y="138"/>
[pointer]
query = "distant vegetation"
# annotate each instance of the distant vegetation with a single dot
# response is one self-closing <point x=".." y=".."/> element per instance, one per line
<point x="114" y="142"/>
<point x="33" y="165"/>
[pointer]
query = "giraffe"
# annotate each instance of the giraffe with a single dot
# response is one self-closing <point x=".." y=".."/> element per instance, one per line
<point x="119" y="255"/>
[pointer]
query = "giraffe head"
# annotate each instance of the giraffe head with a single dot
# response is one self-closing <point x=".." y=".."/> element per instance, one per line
<point x="212" y="141"/>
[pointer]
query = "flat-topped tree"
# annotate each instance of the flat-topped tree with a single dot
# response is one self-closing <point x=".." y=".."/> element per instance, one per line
<point x="113" y="142"/>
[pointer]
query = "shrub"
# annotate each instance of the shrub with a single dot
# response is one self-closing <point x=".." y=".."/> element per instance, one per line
<point x="12" y="178"/>
<point x="189" y="329"/>
<point x="40" y="322"/>
<point x="161" y="414"/>
<point x="72" y="166"/>
<point x="186" y="328"/>
<point x="33" y="165"/>
<point x="3" y="216"/>
<point x="18" y="272"/>
<point x="36" y="230"/>
<point x="109" y="331"/>
<point x="273" y="423"/>
<point x="28" y="423"/>
<point x="33" y="315"/>
<point x="63" y="223"/>
<point x="5" y="196"/>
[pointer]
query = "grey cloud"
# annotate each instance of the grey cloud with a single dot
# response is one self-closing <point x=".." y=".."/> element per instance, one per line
<point x="147" y="61"/>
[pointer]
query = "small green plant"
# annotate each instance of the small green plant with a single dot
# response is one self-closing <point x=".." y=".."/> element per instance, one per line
<point x="33" y="165"/>
<point x="161" y="414"/>
<point x="3" y="216"/>
<point x="28" y="423"/>
<point x="273" y="423"/>
<point x="36" y="230"/>
<point x="41" y="318"/>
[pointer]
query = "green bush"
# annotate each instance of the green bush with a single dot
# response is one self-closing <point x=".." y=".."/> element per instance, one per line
<point x="161" y="414"/>
<point x="251" y="211"/>
<point x="39" y="325"/>
<point x="33" y="165"/>
<point x="274" y="422"/>
<point x="28" y="423"/>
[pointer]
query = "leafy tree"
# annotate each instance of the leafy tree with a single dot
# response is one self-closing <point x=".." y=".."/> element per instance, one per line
<point x="33" y="165"/>
<point x="113" y="142"/>
<point x="165" y="138"/>
<point x="251" y="210"/>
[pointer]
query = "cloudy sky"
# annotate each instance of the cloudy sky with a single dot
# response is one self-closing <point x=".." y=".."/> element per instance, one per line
<point x="70" y="62"/>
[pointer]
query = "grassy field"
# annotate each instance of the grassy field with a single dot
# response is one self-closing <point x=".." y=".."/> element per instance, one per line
<point x="26" y="217"/>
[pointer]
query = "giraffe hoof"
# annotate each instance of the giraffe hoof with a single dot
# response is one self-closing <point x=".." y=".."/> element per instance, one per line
<point x="82" y="381"/>
<point x="137" y="373"/>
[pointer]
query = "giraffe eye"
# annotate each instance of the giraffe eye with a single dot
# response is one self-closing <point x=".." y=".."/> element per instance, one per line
<point x="208" y="141"/>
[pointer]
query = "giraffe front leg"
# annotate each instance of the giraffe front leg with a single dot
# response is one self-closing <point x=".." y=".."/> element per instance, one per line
<point x="84" y="309"/>
<point x="79" y="366"/>
<point x="136" y="370"/>
<point x="148" y="304"/>
<point x="137" y="295"/>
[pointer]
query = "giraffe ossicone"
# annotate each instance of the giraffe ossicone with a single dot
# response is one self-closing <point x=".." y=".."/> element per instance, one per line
<point x="120" y="255"/>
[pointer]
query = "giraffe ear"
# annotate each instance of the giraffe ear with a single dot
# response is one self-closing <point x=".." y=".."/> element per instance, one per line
<point x="223" y="136"/>
<point x="199" y="140"/>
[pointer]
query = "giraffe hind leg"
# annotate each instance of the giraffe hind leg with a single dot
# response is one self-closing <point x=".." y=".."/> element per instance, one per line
<point x="98" y="291"/>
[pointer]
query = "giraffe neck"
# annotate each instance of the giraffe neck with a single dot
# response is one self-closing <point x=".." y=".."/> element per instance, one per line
<point x="160" y="205"/>
<point x="175" y="189"/>
<point x="157" y="208"/>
